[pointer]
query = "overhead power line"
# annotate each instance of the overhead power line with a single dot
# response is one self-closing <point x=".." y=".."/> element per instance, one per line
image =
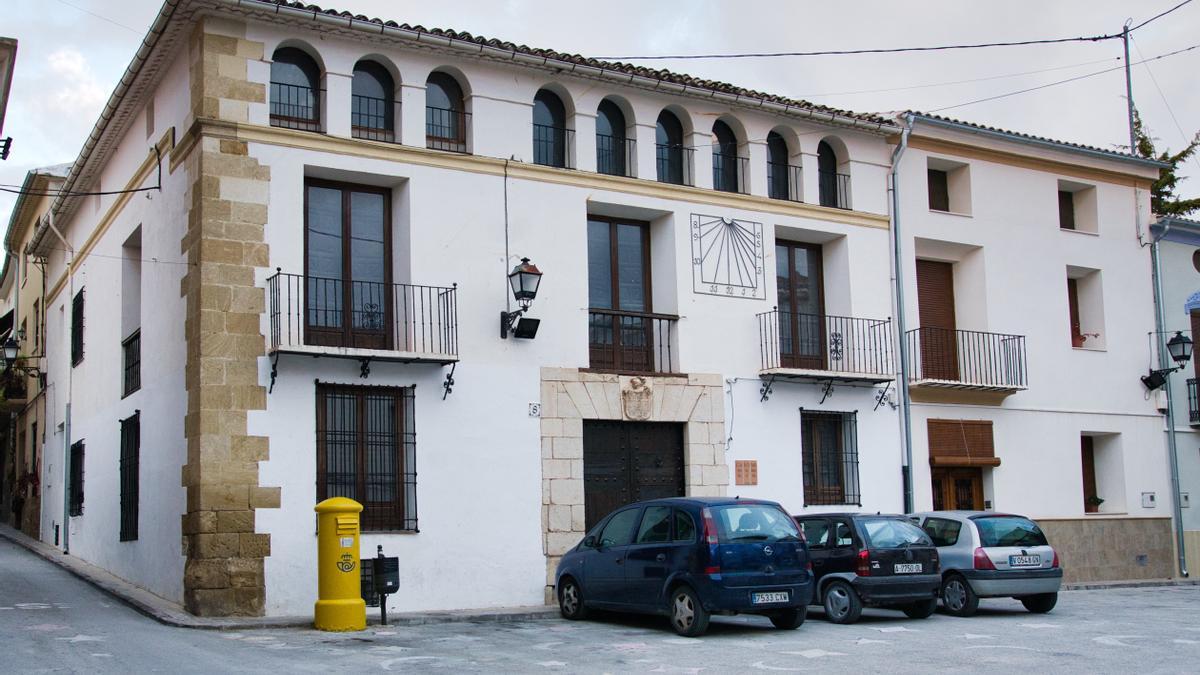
<point x="1159" y="16"/>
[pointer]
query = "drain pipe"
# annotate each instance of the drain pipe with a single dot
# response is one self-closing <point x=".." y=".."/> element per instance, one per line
<point x="898" y="297"/>
<point x="66" y="466"/>
<point x="1160" y="325"/>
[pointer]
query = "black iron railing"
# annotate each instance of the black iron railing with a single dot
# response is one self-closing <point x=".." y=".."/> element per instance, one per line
<point x="835" y="189"/>
<point x="615" y="155"/>
<point x="967" y="358"/>
<point x="15" y="385"/>
<point x="131" y="351"/>
<point x="553" y="146"/>
<point x="421" y="321"/>
<point x="783" y="181"/>
<point x="372" y="118"/>
<point x="1193" y="402"/>
<point x="295" y="107"/>
<point x="730" y="173"/>
<point x="674" y="163"/>
<point x="632" y="342"/>
<point x="840" y="344"/>
<point x="446" y="129"/>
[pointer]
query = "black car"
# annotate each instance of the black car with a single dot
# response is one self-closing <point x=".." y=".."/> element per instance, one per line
<point x="871" y="561"/>
<point x="689" y="558"/>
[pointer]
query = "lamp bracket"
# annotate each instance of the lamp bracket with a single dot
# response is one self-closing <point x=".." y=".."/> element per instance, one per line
<point x="507" y="319"/>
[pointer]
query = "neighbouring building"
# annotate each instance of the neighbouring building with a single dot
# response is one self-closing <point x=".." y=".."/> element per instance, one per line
<point x="314" y="273"/>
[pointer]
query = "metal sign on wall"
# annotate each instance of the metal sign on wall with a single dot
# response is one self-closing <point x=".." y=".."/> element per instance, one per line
<point x="727" y="257"/>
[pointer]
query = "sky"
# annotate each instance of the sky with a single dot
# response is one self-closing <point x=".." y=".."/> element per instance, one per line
<point x="72" y="52"/>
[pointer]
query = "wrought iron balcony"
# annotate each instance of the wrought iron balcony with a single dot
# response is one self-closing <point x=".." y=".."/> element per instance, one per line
<point x="372" y="118"/>
<point x="553" y="146"/>
<point x="15" y="387"/>
<point x="615" y="155"/>
<point x="295" y="107"/>
<point x="730" y="173"/>
<point x="783" y="181"/>
<point x="1193" y="402"/>
<point x="822" y="347"/>
<point x="966" y="359"/>
<point x="674" y="164"/>
<point x="446" y="129"/>
<point x="363" y="319"/>
<point x="835" y="189"/>
<point x="632" y="342"/>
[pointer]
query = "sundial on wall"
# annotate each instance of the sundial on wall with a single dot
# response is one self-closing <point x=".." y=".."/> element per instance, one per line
<point x="727" y="257"/>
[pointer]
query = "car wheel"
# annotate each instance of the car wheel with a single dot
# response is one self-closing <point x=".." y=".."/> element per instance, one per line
<point x="957" y="596"/>
<point x="570" y="600"/>
<point x="688" y="616"/>
<point x="841" y="603"/>
<point x="789" y="619"/>
<point x="921" y="609"/>
<point x="1040" y="603"/>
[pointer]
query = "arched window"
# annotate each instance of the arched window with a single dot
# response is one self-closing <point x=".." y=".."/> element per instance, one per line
<point x="445" y="114"/>
<point x="295" y="96"/>
<point x="835" y="187"/>
<point x="669" y="151"/>
<point x="727" y="173"/>
<point x="614" y="152"/>
<point x="783" y="180"/>
<point x="372" y="107"/>
<point x="550" y="135"/>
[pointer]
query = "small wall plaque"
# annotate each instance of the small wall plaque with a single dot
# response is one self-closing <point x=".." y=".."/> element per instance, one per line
<point x="745" y="472"/>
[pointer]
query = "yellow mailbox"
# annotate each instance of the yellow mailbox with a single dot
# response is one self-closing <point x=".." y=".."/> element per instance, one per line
<point x="339" y="605"/>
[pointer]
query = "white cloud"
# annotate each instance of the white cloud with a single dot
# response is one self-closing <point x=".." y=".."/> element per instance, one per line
<point x="77" y="92"/>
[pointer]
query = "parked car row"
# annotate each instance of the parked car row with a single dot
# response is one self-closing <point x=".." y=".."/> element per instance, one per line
<point x="691" y="558"/>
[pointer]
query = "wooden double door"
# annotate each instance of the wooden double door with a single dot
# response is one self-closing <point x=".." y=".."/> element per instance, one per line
<point x="957" y="488"/>
<point x="625" y="462"/>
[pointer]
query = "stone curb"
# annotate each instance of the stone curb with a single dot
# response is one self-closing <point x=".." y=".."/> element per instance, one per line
<point x="166" y="612"/>
<point x="1132" y="583"/>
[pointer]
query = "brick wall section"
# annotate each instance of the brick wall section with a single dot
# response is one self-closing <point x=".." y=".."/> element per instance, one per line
<point x="1112" y="549"/>
<point x="569" y="396"/>
<point x="223" y="572"/>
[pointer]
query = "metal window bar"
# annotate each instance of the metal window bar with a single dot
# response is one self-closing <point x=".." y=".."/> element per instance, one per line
<point x="295" y="107"/>
<point x="446" y="129"/>
<point x="830" y="458"/>
<point x="730" y="173"/>
<point x="1193" y="395"/>
<point x="131" y="432"/>
<point x="372" y="118"/>
<point x="632" y="342"/>
<point x="835" y="189"/>
<point x="131" y="351"/>
<point x="77" y="329"/>
<point x="783" y="181"/>
<point x="422" y="320"/>
<point x="615" y="155"/>
<point x="553" y="146"/>
<point x="674" y="164"/>
<point x="967" y="358"/>
<point x="366" y="451"/>
<point x="824" y="342"/>
<point x="75" y="489"/>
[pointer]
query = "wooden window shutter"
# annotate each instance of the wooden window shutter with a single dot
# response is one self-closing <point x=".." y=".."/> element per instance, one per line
<point x="1073" y="309"/>
<point x="939" y="191"/>
<point x="1066" y="210"/>
<point x="935" y="294"/>
<point x="961" y="443"/>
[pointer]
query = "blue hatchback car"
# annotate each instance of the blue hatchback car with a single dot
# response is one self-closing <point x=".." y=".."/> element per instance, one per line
<point x="689" y="558"/>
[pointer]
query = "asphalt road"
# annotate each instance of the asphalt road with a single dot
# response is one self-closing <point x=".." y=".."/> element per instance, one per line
<point x="51" y="621"/>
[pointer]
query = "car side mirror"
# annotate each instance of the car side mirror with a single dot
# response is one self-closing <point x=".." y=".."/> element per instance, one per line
<point x="590" y="541"/>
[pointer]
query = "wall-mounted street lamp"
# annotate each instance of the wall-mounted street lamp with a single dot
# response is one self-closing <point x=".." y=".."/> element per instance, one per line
<point x="11" y="349"/>
<point x="524" y="280"/>
<point x="1180" y="349"/>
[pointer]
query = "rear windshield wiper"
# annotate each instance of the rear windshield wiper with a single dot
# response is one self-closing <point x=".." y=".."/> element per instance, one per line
<point x="751" y="537"/>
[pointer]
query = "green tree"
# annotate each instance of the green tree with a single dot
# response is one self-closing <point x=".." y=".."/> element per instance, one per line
<point x="1163" y="200"/>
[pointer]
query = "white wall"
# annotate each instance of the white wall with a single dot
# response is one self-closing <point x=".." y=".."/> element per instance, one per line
<point x="1180" y="280"/>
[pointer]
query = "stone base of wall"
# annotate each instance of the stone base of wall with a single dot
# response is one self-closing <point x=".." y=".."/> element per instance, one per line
<point x="1191" y="549"/>
<point x="1112" y="549"/>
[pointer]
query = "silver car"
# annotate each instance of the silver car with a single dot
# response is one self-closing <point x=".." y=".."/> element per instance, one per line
<point x="991" y="555"/>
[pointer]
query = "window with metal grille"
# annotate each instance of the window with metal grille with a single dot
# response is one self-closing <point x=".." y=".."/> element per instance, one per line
<point x="131" y="349"/>
<point x="830" y="457"/>
<point x="366" y="451"/>
<point x="75" y="489"/>
<point x="77" y="329"/>
<point x="131" y="441"/>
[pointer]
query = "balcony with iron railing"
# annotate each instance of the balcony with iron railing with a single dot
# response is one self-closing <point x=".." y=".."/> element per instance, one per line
<point x="615" y="155"/>
<point x="730" y="173"/>
<point x="674" y="164"/>
<point x="941" y="358"/>
<point x="553" y="146"/>
<point x="637" y="343"/>
<point x="1193" y="397"/>
<point x="14" y="385"/>
<point x="822" y="347"/>
<point x="446" y="129"/>
<point x="372" y="118"/>
<point x="783" y="181"/>
<point x="362" y="319"/>
<point x="295" y="107"/>
<point x="834" y="189"/>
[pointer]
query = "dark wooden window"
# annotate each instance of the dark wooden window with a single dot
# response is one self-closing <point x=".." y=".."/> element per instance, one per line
<point x="295" y="93"/>
<point x="366" y="451"/>
<point x="77" y="329"/>
<point x="830" y="457"/>
<point x="1091" y="503"/>
<point x="550" y="134"/>
<point x="935" y="305"/>
<point x="445" y="114"/>
<point x="75" y="489"/>
<point x="348" y="299"/>
<point x="725" y="158"/>
<point x="1073" y="312"/>
<point x="783" y="180"/>
<point x="1066" y="210"/>
<point x="131" y="441"/>
<point x="939" y="190"/>
<point x="131" y="352"/>
<point x="611" y="154"/>
<point x="668" y="137"/>
<point x="801" y="301"/>
<point x="834" y="187"/>
<point x="621" y="337"/>
<point x="372" y="105"/>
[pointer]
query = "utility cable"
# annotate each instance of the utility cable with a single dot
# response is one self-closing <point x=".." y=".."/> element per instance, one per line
<point x="1159" y="16"/>
<point x="1166" y="103"/>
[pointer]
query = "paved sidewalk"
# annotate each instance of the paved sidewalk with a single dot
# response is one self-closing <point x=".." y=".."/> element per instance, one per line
<point x="167" y="612"/>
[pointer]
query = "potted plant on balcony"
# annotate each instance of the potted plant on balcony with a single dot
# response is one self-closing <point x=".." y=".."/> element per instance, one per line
<point x="1092" y="504"/>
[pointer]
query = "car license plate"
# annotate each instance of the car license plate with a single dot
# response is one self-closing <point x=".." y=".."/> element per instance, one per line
<point x="1024" y="561"/>
<point x="768" y="598"/>
<point x="908" y="568"/>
